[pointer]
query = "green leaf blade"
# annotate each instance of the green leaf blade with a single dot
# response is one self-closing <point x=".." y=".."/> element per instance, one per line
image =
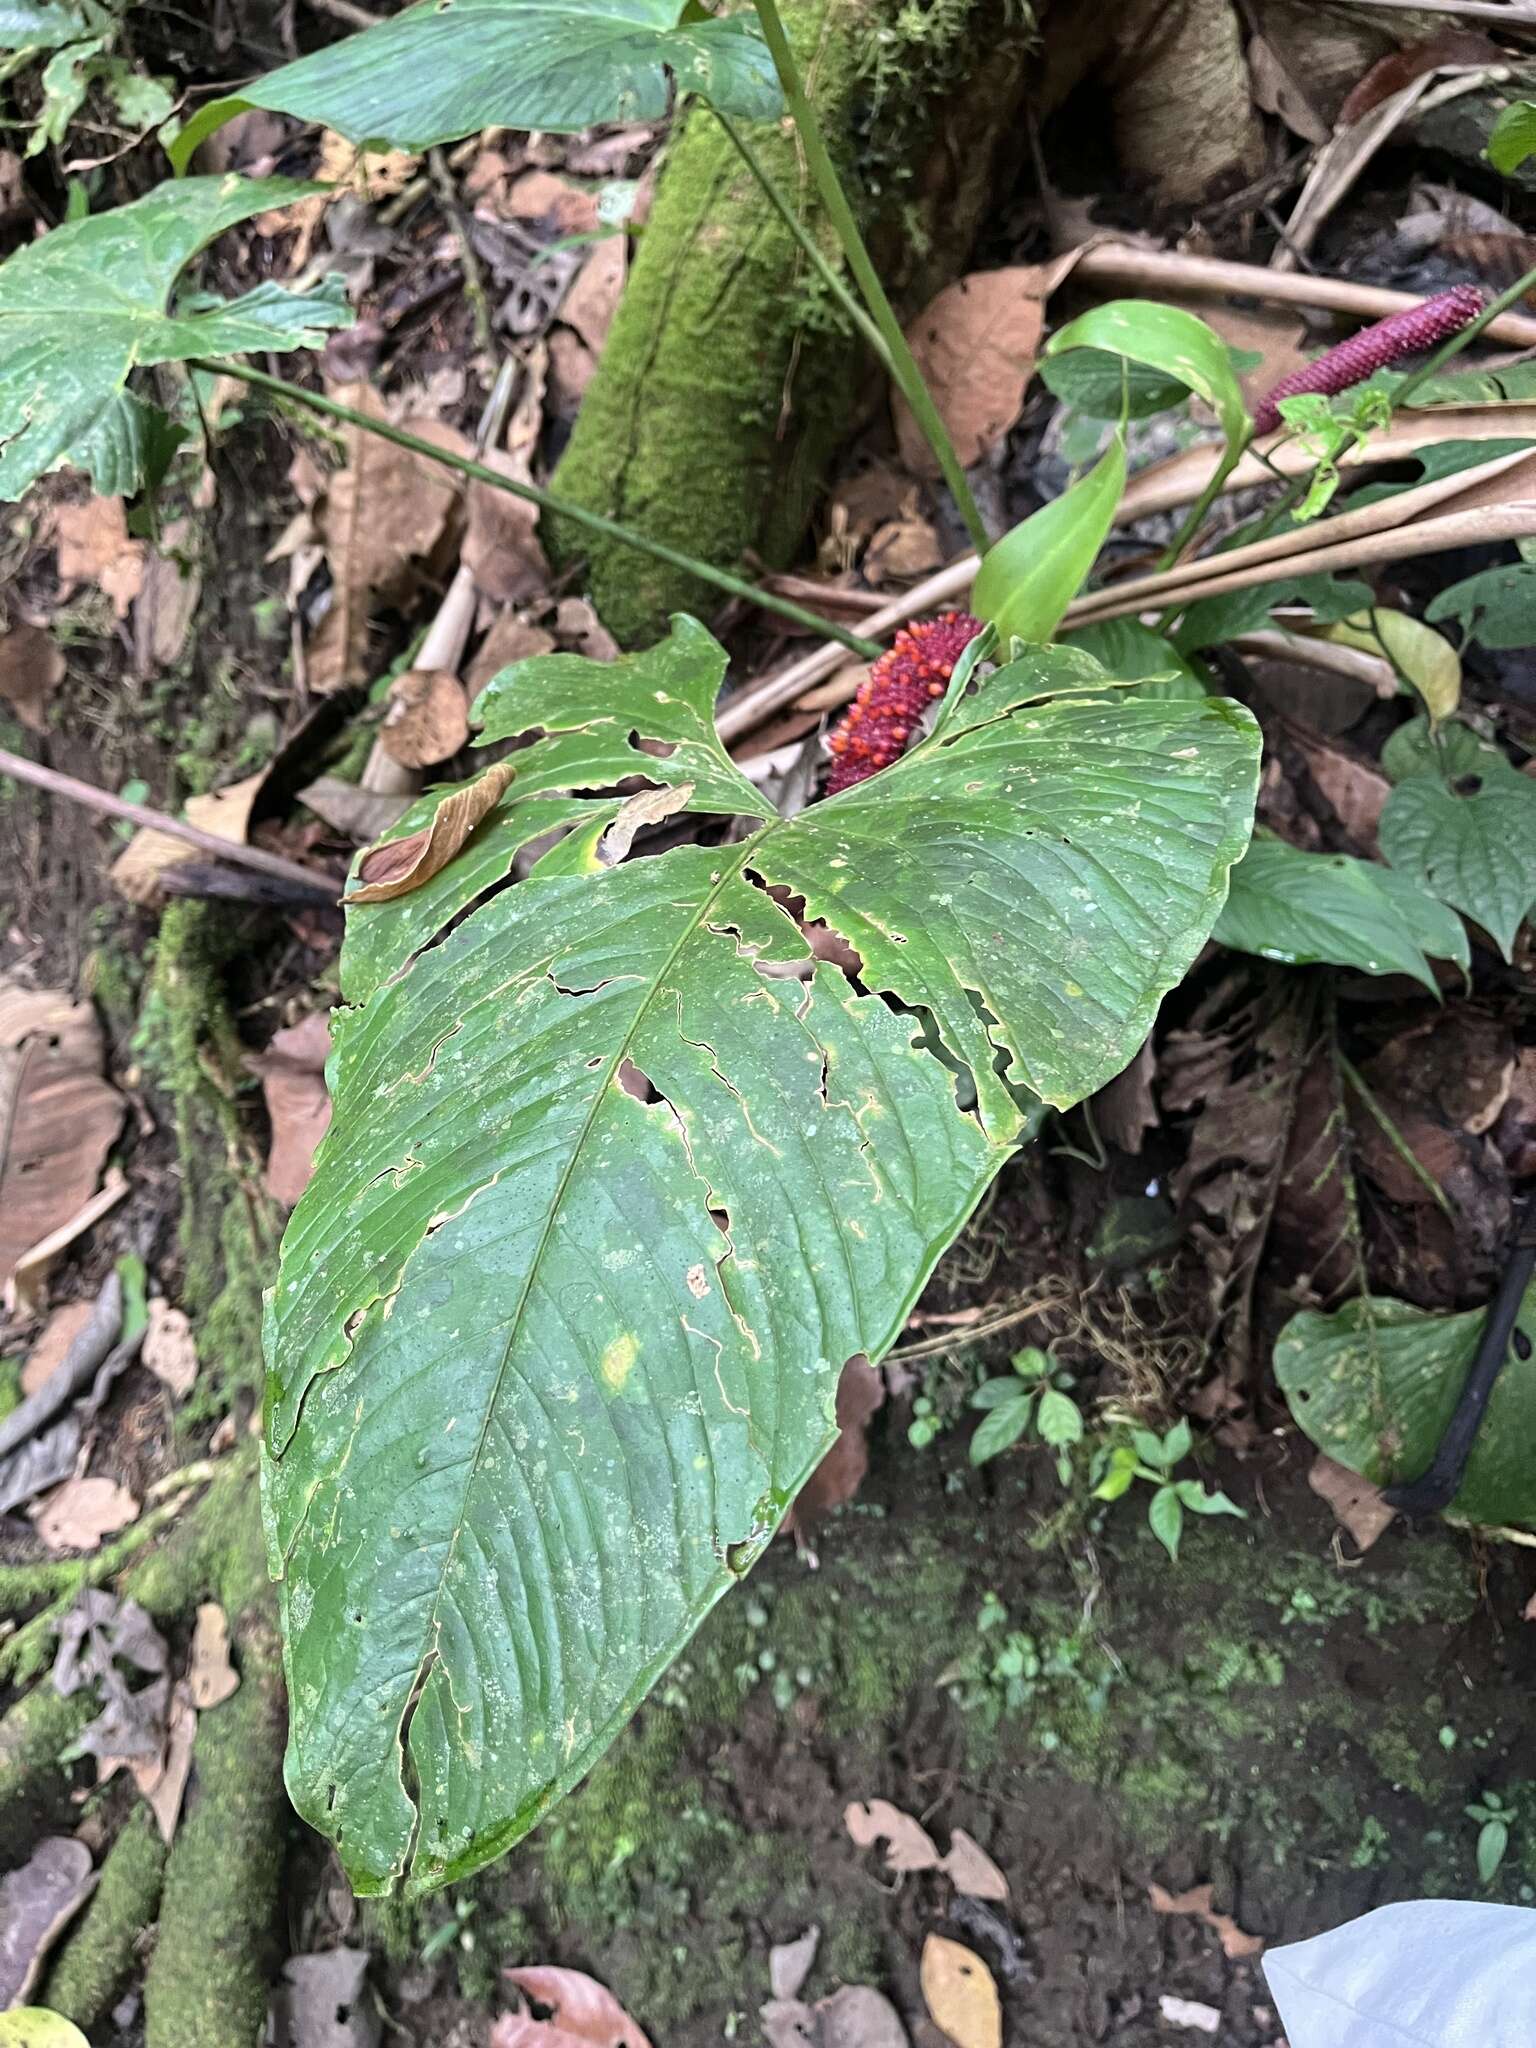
<point x="434" y="74"/>
<point x="1473" y="848"/>
<point x="85" y="306"/>
<point x="547" y="1362"/>
<point x="1175" y="344"/>
<point x="1029" y="577"/>
<point x="1304" y="908"/>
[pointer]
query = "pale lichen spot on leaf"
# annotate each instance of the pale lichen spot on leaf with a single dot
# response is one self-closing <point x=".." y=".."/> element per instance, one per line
<point x="618" y="1360"/>
<point x="698" y="1283"/>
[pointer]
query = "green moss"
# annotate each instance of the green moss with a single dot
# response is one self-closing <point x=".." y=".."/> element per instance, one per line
<point x="101" y="1950"/>
<point x="209" y="1978"/>
<point x="229" y="1228"/>
<point x="10" y="1385"/>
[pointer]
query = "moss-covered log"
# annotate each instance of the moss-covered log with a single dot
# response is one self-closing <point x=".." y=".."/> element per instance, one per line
<point x="103" y="1948"/>
<point x="729" y="375"/>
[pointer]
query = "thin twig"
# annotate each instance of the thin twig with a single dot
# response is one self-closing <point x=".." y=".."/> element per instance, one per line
<point x="469" y="261"/>
<point x="22" y="770"/>
<point x="1394" y="1136"/>
<point x="347" y="11"/>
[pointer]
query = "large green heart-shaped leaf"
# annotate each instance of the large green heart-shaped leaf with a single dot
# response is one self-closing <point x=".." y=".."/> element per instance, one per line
<point x="1375" y="1384"/>
<point x="1462" y="824"/>
<point x="84" y="307"/>
<point x="436" y="72"/>
<point x="621" y="1175"/>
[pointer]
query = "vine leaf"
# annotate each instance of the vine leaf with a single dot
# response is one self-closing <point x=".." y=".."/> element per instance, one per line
<point x="622" y="1174"/>
<point x="1308" y="907"/>
<point x="1461" y="823"/>
<point x="436" y="73"/>
<point x="1375" y="1384"/>
<point x="84" y="307"/>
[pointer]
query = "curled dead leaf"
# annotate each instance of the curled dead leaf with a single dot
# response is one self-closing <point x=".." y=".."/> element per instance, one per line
<point x="648" y="807"/>
<point x="1355" y="1501"/>
<point x="860" y="1393"/>
<point x="580" y="2010"/>
<point x="37" y="1902"/>
<point x="392" y="870"/>
<point x="971" y="1870"/>
<point x="427" y="719"/>
<point x="908" y="1844"/>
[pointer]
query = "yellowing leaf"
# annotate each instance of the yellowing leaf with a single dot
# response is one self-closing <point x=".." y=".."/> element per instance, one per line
<point x="962" y="1997"/>
<point x="1425" y="659"/>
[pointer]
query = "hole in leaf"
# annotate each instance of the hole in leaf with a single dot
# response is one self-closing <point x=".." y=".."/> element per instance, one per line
<point x="633" y="1082"/>
<point x="1467" y="785"/>
<point x="659" y="750"/>
<point x="1521" y="1345"/>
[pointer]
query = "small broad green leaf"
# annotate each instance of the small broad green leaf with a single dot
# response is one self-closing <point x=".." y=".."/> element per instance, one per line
<point x="1423" y="658"/>
<point x="1031" y="1363"/>
<point x="85" y="306"/>
<point x="1000" y="1428"/>
<point x="544" y="1373"/>
<point x="1496" y="606"/>
<point x="1174" y="344"/>
<point x="1493" y="1836"/>
<point x="1452" y="752"/>
<point x="1165" y="1518"/>
<point x="438" y="72"/>
<point x="1375" y="1384"/>
<point x="1471" y="842"/>
<point x="1303" y="908"/>
<point x="1029" y="577"/>
<point x="1120" y="1477"/>
<point x="1133" y="653"/>
<point x="49" y="24"/>
<point x="1059" y="1419"/>
<point x="1149" y="1447"/>
<point x="1211" y="620"/>
<point x="997" y="1394"/>
<point x="1106" y="387"/>
<point x="1178" y="1443"/>
<point x="1199" y="1502"/>
<point x="1513" y="137"/>
<point x="34" y="2026"/>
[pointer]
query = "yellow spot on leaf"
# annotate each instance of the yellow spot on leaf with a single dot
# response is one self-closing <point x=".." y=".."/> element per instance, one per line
<point x="618" y="1360"/>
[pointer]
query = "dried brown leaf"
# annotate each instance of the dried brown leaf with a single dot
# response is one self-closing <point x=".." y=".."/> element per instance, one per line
<point x="860" y="1394"/>
<point x="1196" y="1903"/>
<point x="501" y="547"/>
<point x="320" y="2001"/>
<point x="580" y="2009"/>
<point x="542" y="196"/>
<point x="167" y="602"/>
<point x="64" y="1325"/>
<point x="31" y="669"/>
<point x="37" y="1903"/>
<point x="225" y="812"/>
<point x="58" y="1116"/>
<point x="359" y="814"/>
<point x="961" y="1994"/>
<point x="908" y="1844"/>
<point x="572" y="367"/>
<point x="211" y="1678"/>
<point x="975" y="346"/>
<point x="789" y="1963"/>
<point x="427" y="718"/>
<point x="93" y="546"/>
<point x="855" y="2016"/>
<point x="404" y="864"/>
<point x="511" y="638"/>
<point x="170" y="1350"/>
<point x="647" y="807"/>
<point x="164" y="1784"/>
<point x="578" y="627"/>
<point x="1356" y="1503"/>
<point x="591" y="302"/>
<point x="76" y="1515"/>
<point x="971" y="1870"/>
<point x="1278" y="90"/>
<point x="1390" y="74"/>
<point x="292" y="1071"/>
<point x="902" y="549"/>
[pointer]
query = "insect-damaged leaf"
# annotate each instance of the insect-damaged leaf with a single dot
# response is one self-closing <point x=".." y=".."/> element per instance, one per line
<point x="435" y="72"/>
<point x="85" y="306"/>
<point x="549" y="1360"/>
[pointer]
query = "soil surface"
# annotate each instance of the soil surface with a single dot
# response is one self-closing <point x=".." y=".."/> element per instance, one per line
<point x="1301" y="1731"/>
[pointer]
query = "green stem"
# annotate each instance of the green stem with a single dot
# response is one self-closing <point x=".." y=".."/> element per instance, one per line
<point x="1203" y="504"/>
<point x="477" y="472"/>
<point x="802" y="234"/>
<point x="904" y="370"/>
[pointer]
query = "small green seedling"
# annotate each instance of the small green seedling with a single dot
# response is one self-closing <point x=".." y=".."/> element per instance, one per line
<point x="1327" y="433"/>
<point x="1146" y="1455"/>
<point x="1497" y="1817"/>
<point x="1028" y="1396"/>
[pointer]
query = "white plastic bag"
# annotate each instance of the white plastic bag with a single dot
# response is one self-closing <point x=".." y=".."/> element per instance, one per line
<point x="1431" y="1973"/>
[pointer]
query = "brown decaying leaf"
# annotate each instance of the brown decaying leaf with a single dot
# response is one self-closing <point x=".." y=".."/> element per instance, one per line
<point x="225" y="812"/>
<point x="167" y="601"/>
<point x="1357" y="790"/>
<point x="64" y="1325"/>
<point x="789" y="1963"/>
<point x="92" y="545"/>
<point x="211" y="1678"/>
<point x="31" y="669"/>
<point x="581" y="2010"/>
<point x="164" y="1784"/>
<point x="591" y="302"/>
<point x="1278" y="90"/>
<point x="961" y="1994"/>
<point x="578" y="627"/>
<point x="971" y="1870"/>
<point x="76" y="1515"/>
<point x="321" y="2001"/>
<point x="647" y="807"/>
<point x="501" y="547"/>
<point x="386" y="872"/>
<point x="292" y="1071"/>
<point x="354" y="813"/>
<point x="1390" y="74"/>
<point x="908" y="1844"/>
<point x="1528" y="1611"/>
<point x="855" y="2016"/>
<point x="900" y="550"/>
<point x="170" y="1350"/>
<point x="975" y="346"/>
<point x="1356" y="1503"/>
<point x="37" y="1902"/>
<point x="427" y="718"/>
<point x="511" y="638"/>
<point x="860" y="1393"/>
<point x="386" y="510"/>
<point x="1235" y="1944"/>
<point x="58" y="1116"/>
<point x="539" y="195"/>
